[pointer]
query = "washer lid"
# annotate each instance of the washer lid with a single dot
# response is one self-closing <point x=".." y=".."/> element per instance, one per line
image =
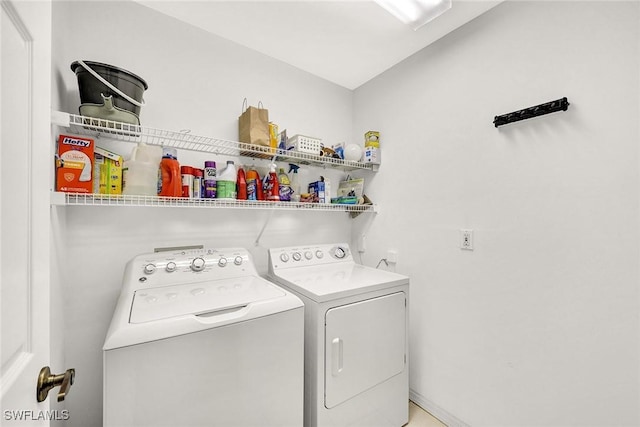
<point x="327" y="282"/>
<point x="200" y="298"/>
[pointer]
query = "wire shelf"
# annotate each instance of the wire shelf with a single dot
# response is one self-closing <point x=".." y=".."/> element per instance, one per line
<point x="87" y="199"/>
<point x="95" y="127"/>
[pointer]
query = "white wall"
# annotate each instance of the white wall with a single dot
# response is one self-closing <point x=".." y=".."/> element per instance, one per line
<point x="538" y="325"/>
<point x="198" y="82"/>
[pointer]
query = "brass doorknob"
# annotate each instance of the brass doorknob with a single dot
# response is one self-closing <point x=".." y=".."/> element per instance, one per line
<point x="46" y="382"/>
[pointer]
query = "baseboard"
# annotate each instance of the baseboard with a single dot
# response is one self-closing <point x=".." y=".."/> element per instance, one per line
<point x="445" y="417"/>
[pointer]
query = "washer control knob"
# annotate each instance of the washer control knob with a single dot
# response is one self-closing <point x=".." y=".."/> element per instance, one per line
<point x="171" y="267"/>
<point x="296" y="256"/>
<point x="149" y="268"/>
<point x="308" y="255"/>
<point x="237" y="260"/>
<point x="319" y="254"/>
<point x="222" y="262"/>
<point x="340" y="252"/>
<point x="197" y="264"/>
<point x="284" y="257"/>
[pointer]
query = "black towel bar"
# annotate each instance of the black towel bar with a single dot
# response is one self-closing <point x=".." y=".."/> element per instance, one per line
<point x="550" y="107"/>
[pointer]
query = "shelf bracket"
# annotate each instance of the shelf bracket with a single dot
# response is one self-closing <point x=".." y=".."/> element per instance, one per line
<point x="264" y="226"/>
<point x="60" y="118"/>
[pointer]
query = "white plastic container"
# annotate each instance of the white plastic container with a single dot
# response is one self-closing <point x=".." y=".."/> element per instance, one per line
<point x="226" y="182"/>
<point x="305" y="144"/>
<point x="142" y="170"/>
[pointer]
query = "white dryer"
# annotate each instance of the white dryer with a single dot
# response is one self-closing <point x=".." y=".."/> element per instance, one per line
<point x="356" y="336"/>
<point x="199" y="339"/>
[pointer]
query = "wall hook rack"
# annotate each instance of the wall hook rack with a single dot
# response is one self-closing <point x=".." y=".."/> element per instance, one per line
<point x="539" y="110"/>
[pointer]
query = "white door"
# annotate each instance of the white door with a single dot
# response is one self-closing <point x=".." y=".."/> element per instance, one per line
<point x="365" y="346"/>
<point x="25" y="165"/>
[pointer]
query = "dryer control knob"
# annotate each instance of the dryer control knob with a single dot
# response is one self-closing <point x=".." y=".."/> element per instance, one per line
<point x="296" y="256"/>
<point x="171" y="267"/>
<point x="284" y="257"/>
<point x="222" y="262"/>
<point x="340" y="252"/>
<point x="197" y="264"/>
<point x="237" y="260"/>
<point x="319" y="254"/>
<point x="308" y="255"/>
<point x="149" y="269"/>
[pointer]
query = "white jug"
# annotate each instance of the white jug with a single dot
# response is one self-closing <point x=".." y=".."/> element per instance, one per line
<point x="142" y="170"/>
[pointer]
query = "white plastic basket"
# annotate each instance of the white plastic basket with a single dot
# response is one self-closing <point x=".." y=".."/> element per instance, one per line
<point x="305" y="144"/>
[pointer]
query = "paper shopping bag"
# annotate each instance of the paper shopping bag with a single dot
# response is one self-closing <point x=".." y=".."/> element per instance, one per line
<point x="253" y="129"/>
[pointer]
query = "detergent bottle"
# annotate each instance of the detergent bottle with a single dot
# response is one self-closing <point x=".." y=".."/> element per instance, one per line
<point x="259" y="187"/>
<point x="284" y="185"/>
<point x="271" y="187"/>
<point x="295" y="184"/>
<point x="241" y="185"/>
<point x="170" y="179"/>
<point x="226" y="182"/>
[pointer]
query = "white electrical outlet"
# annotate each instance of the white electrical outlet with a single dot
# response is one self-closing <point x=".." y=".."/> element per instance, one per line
<point x="466" y="239"/>
<point x="392" y="256"/>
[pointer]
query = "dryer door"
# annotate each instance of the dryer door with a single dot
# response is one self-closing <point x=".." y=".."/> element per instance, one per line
<point x="365" y="345"/>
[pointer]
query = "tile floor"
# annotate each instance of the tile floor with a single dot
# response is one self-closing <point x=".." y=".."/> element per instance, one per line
<point x="418" y="417"/>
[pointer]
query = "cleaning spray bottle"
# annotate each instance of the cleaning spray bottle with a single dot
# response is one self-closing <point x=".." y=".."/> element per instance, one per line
<point x="284" y="186"/>
<point x="272" y="188"/>
<point x="295" y="185"/>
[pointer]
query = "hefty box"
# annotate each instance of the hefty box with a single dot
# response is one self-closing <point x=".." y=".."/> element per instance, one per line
<point x="107" y="172"/>
<point x="74" y="162"/>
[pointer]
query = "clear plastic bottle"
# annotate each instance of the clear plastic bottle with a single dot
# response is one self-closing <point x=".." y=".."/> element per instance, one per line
<point x="295" y="184"/>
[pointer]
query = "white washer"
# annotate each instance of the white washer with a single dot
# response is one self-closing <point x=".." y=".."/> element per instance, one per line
<point x="356" y="336"/>
<point x="198" y="338"/>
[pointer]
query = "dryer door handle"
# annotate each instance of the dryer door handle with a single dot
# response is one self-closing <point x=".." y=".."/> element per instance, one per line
<point x="337" y="353"/>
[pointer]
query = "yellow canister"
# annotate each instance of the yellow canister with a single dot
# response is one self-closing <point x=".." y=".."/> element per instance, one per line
<point x="372" y="147"/>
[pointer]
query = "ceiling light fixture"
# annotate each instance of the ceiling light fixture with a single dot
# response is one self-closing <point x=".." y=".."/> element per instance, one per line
<point x="415" y="12"/>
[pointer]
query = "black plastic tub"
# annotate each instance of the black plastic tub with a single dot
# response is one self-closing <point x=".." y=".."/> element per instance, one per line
<point x="92" y="90"/>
